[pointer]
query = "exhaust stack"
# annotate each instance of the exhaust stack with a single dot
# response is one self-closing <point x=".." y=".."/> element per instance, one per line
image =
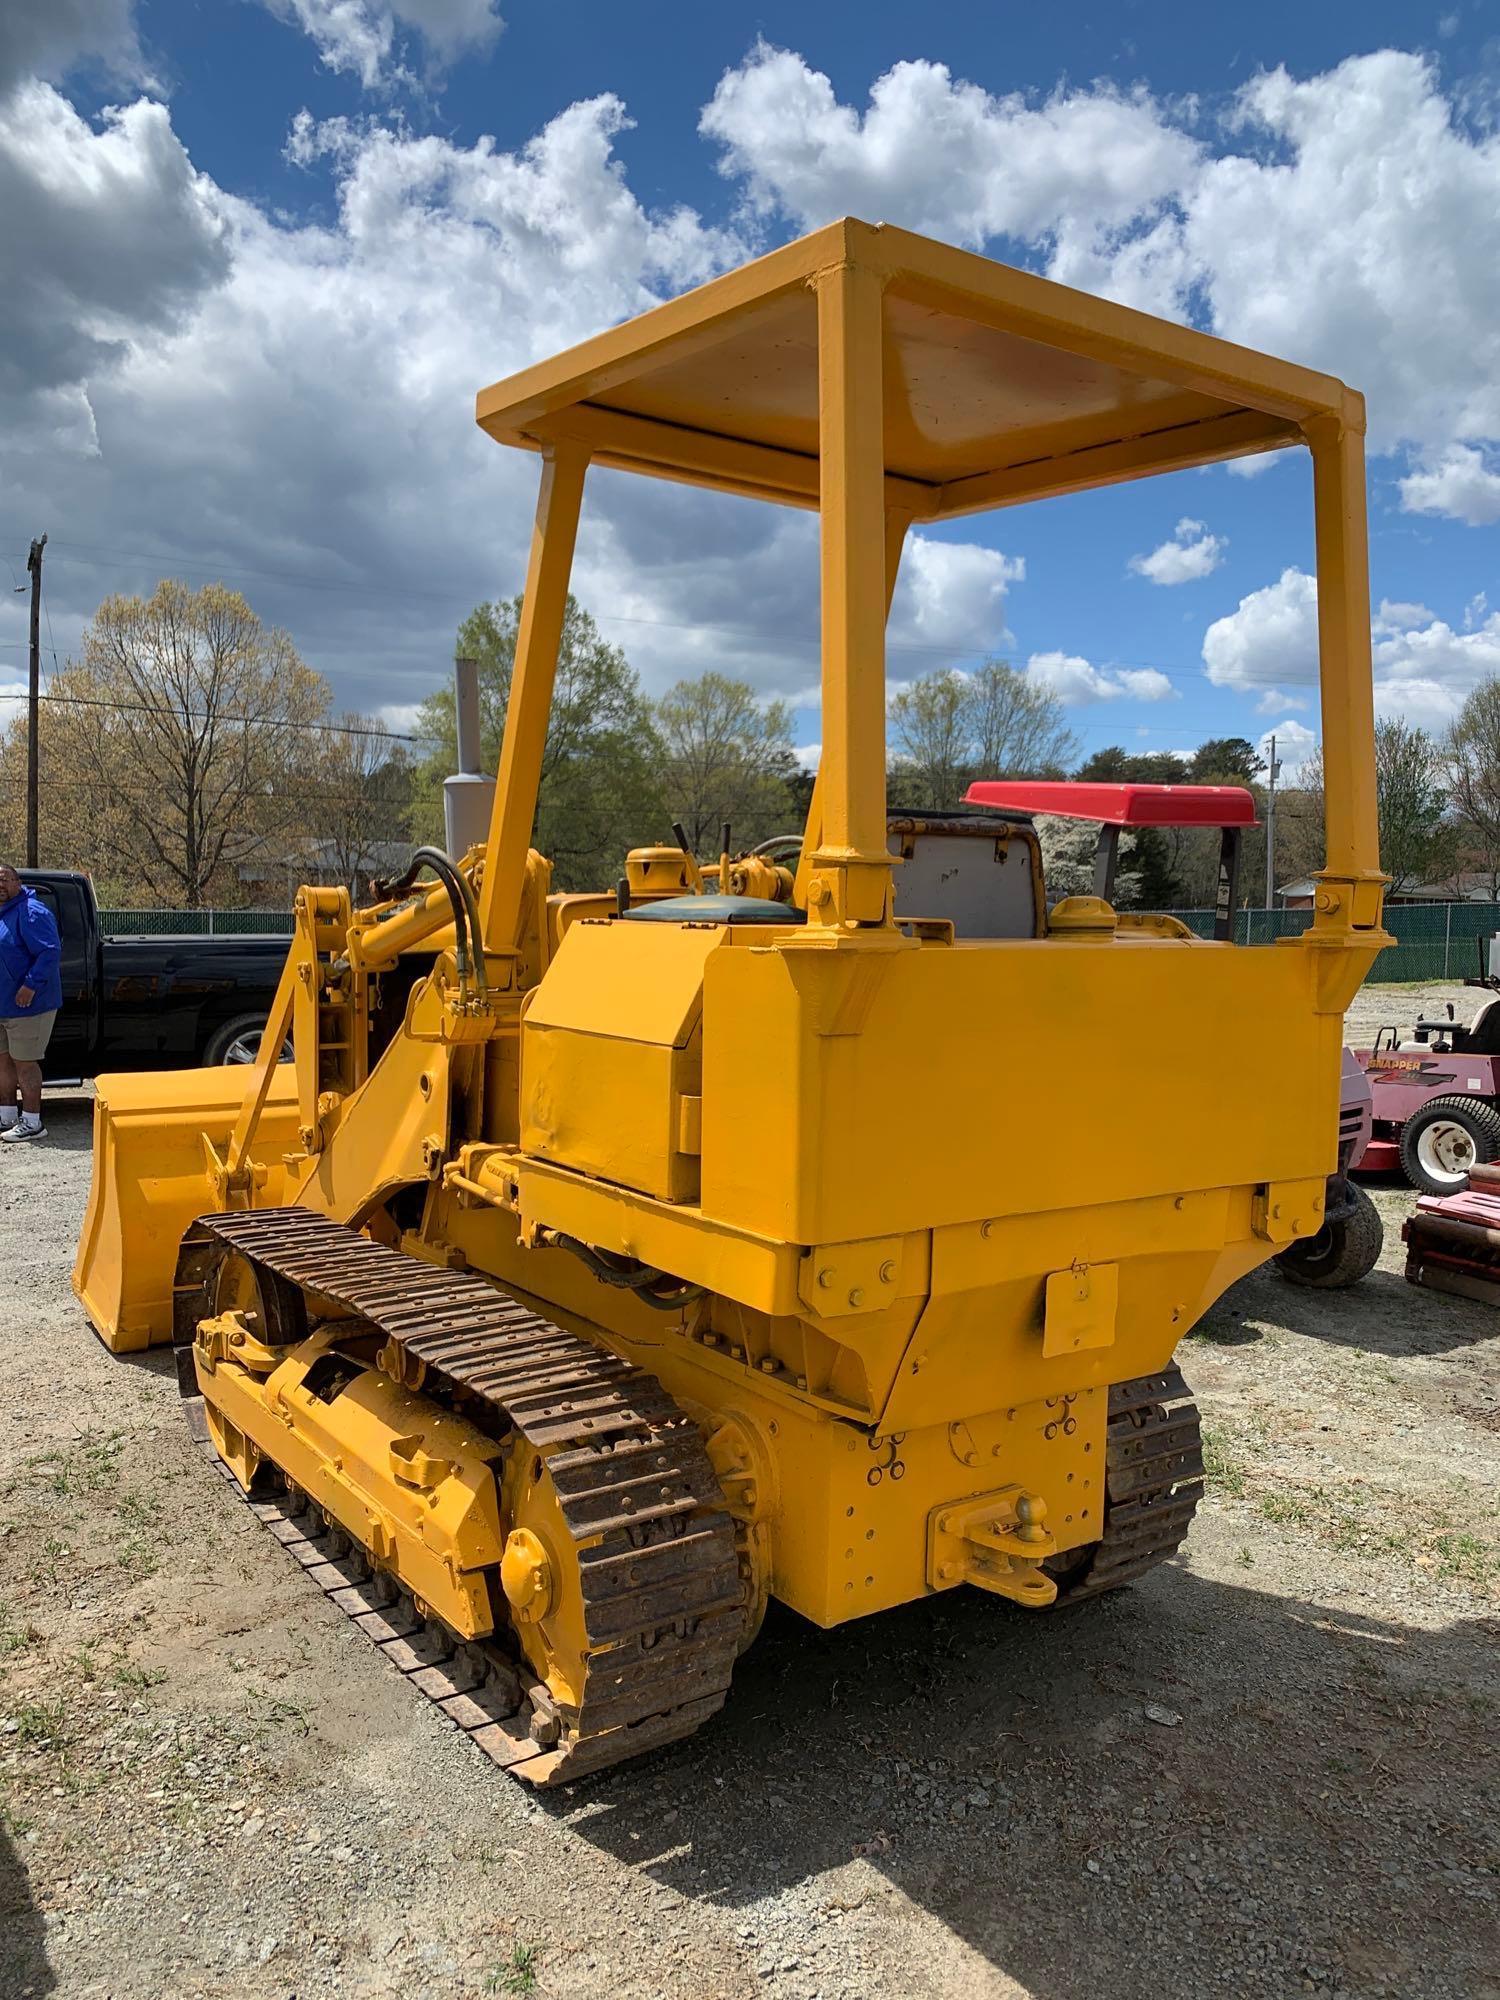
<point x="469" y="795"/>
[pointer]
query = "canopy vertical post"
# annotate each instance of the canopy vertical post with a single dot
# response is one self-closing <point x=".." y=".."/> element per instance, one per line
<point x="897" y="521"/>
<point x="535" y="668"/>
<point x="850" y="874"/>
<point x="1351" y="881"/>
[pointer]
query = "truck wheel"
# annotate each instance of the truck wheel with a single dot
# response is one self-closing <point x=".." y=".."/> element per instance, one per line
<point x="1445" y="1138"/>
<point x="238" y="1041"/>
<point x="1341" y="1253"/>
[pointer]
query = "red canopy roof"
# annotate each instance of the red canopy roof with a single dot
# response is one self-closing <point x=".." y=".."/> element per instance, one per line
<point x="1119" y="805"/>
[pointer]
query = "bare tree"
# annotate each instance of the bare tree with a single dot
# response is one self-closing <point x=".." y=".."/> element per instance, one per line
<point x="363" y="793"/>
<point x="932" y="722"/>
<point x="1471" y="756"/>
<point x="951" y="726"/>
<point x="1016" y="725"/>
<point x="180" y="746"/>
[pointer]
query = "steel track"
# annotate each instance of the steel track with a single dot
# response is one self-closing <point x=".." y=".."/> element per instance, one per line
<point x="663" y="1597"/>
<point x="1154" y="1481"/>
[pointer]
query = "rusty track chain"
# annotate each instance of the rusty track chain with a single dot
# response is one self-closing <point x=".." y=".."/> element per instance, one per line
<point x="663" y="1598"/>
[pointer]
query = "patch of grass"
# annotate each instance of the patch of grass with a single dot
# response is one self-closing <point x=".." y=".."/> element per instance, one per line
<point x="1287" y="1509"/>
<point x="284" y="1714"/>
<point x="131" y="1679"/>
<point x="519" y="1976"/>
<point x="1220" y="1465"/>
<point x="16" y="1635"/>
<point x="49" y="1565"/>
<point x="140" y="1557"/>
<point x="40" y="1722"/>
<point x="90" y="1467"/>
<point x="1245" y="1559"/>
<point x="1465" y="1556"/>
<point x="138" y="1510"/>
<point x="99" y="1461"/>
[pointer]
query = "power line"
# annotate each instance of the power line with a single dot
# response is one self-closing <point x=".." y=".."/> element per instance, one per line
<point x="381" y="733"/>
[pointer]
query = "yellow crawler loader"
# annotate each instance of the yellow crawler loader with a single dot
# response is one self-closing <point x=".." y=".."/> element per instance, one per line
<point x="606" y="1265"/>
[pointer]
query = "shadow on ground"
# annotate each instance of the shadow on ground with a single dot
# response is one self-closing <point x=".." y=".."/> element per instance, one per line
<point x="24" y="1969"/>
<point x="1382" y="1314"/>
<point x="1319" y="1810"/>
<point x="69" y="1122"/>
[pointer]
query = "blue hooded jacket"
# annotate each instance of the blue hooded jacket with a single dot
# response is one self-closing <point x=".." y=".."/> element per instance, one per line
<point x="30" y="955"/>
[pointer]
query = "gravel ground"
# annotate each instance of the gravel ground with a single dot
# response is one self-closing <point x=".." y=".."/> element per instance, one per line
<point x="1268" y="1770"/>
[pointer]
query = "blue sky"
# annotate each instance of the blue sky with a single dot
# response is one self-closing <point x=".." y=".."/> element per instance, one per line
<point x="264" y="251"/>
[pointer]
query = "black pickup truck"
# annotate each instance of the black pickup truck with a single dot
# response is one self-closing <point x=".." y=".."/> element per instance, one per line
<point x="150" y="1002"/>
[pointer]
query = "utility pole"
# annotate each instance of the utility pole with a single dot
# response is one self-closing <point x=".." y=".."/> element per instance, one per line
<point x="34" y="569"/>
<point x="1271" y="829"/>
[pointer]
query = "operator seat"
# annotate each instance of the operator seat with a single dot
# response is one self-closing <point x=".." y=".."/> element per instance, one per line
<point x="1482" y="1036"/>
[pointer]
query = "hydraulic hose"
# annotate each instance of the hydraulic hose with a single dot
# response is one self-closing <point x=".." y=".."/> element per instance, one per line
<point x="465" y="911"/>
<point x="626" y="1275"/>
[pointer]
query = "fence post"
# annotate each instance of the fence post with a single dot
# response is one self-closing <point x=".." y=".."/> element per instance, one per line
<point x="1447" y="936"/>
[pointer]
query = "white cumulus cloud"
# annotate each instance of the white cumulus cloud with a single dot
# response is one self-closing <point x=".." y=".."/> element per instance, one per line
<point x="1190" y="553"/>
<point x="1272" y="637"/>
<point x="1423" y="666"/>
<point x="1460" y="485"/>
<point x="950" y="596"/>
<point x="362" y="37"/>
<point x="1075" y="680"/>
<point x="1349" y="219"/>
<point x="937" y="154"/>
<point x="49" y="38"/>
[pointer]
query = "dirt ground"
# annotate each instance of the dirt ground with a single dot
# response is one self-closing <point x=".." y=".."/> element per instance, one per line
<point x="1271" y="1769"/>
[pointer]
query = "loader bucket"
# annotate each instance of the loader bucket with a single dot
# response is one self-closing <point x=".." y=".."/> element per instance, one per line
<point x="150" y="1179"/>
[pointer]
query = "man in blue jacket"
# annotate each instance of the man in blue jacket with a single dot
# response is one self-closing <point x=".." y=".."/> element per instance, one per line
<point x="30" y="995"/>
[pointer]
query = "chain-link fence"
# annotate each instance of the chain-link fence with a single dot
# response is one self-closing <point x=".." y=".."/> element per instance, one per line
<point x="1433" y="940"/>
<point x="197" y="923"/>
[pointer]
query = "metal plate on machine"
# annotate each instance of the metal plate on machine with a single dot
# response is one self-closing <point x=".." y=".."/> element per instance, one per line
<point x="1081" y="1304"/>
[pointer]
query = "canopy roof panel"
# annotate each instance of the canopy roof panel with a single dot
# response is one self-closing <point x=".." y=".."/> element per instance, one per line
<point x="998" y="385"/>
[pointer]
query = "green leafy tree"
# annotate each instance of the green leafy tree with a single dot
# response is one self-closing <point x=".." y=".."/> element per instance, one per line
<point x="1225" y="760"/>
<point x="1115" y="766"/>
<point x="726" y="755"/>
<point x="1418" y="842"/>
<point x="601" y="790"/>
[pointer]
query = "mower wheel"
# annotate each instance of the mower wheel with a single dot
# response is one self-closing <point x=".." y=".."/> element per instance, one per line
<point x="1342" y="1252"/>
<point x="1445" y="1138"/>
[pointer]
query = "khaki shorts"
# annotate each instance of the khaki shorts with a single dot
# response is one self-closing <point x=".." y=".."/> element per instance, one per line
<point x="25" y="1036"/>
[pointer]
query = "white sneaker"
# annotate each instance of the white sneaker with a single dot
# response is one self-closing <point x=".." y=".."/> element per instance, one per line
<point x="13" y="1134"/>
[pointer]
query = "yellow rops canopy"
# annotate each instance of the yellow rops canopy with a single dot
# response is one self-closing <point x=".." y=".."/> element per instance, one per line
<point x="887" y="379"/>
